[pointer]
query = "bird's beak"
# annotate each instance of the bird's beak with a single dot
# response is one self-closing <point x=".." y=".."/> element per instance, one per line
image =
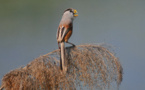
<point x="75" y="13"/>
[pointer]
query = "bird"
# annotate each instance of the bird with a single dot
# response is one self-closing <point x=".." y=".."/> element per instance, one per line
<point x="64" y="32"/>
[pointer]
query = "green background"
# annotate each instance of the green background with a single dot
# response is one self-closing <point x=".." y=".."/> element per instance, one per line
<point x="28" y="30"/>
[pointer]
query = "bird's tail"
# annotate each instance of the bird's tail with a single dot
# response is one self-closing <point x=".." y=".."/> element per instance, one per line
<point x="62" y="58"/>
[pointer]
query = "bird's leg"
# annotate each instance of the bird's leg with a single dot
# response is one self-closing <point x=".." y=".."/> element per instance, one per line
<point x="71" y="44"/>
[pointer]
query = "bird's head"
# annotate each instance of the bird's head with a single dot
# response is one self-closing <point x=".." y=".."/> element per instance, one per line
<point x="70" y="13"/>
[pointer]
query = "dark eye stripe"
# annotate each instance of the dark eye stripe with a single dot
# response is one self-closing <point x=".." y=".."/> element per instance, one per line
<point x="69" y="9"/>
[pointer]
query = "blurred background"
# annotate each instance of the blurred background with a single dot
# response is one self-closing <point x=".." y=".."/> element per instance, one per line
<point x="28" y="30"/>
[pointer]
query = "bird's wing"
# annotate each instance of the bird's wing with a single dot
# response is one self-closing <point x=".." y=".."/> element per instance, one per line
<point x="61" y="33"/>
<point x="57" y="34"/>
<point x="66" y="30"/>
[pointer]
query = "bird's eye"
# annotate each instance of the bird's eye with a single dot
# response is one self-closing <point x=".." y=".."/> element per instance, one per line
<point x="71" y="11"/>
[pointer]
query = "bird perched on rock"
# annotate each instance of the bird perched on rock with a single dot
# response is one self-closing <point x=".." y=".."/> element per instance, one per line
<point x="64" y="32"/>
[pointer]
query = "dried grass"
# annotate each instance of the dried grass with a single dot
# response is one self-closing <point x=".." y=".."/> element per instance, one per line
<point x="90" y="66"/>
